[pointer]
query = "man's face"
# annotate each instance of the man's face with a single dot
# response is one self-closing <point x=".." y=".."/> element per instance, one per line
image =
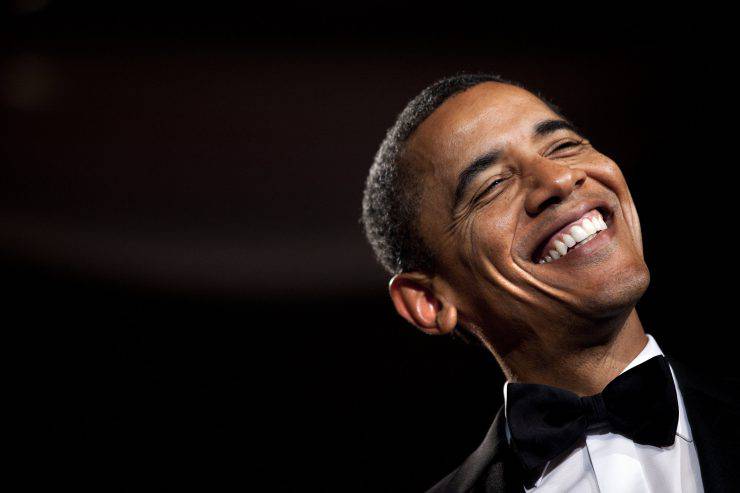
<point x="530" y="225"/>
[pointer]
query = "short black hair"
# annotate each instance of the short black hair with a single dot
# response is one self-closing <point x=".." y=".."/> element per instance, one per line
<point x="391" y="198"/>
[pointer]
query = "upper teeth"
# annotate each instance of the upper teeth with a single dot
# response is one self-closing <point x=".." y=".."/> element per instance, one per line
<point x="578" y="234"/>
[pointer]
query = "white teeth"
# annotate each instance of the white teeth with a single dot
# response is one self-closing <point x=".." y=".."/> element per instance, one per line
<point x="588" y="226"/>
<point x="578" y="233"/>
<point x="568" y="240"/>
<point x="560" y="247"/>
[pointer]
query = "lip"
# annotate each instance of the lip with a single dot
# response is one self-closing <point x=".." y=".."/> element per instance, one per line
<point x="563" y="218"/>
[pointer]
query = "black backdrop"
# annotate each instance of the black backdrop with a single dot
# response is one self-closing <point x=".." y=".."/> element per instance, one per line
<point x="189" y="298"/>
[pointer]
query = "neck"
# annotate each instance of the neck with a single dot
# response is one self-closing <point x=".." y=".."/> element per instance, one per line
<point x="581" y="367"/>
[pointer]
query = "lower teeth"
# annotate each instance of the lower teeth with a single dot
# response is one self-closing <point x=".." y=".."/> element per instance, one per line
<point x="583" y="242"/>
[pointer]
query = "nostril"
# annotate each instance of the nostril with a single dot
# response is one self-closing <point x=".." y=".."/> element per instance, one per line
<point x="580" y="182"/>
<point x="547" y="203"/>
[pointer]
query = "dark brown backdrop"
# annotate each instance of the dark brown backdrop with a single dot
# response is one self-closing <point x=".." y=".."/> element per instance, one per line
<point x="179" y="202"/>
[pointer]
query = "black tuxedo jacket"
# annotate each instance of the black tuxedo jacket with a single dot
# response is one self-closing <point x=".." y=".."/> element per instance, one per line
<point x="714" y="417"/>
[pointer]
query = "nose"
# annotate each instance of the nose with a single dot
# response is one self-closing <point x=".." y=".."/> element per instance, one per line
<point x="552" y="183"/>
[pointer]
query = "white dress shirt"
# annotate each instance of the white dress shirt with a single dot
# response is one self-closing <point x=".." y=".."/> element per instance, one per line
<point x="608" y="462"/>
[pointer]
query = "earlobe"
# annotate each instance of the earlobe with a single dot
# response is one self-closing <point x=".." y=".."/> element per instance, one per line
<point x="416" y="301"/>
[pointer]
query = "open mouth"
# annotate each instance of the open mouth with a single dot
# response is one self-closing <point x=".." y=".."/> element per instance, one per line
<point x="572" y="236"/>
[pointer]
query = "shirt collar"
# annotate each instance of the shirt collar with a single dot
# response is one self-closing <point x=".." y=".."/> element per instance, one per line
<point x="650" y="350"/>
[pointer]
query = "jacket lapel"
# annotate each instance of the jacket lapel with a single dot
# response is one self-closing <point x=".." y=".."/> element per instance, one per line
<point x="715" y="424"/>
<point x="491" y="468"/>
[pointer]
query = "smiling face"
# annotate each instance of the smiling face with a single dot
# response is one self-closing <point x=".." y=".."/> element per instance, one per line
<point x="532" y="229"/>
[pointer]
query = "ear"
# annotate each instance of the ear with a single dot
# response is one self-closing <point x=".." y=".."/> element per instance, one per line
<point x="416" y="301"/>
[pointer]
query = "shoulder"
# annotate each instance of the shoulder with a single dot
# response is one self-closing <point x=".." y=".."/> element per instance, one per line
<point x="445" y="484"/>
<point x="475" y="470"/>
<point x="712" y="407"/>
<point x="713" y="411"/>
<point x="707" y="385"/>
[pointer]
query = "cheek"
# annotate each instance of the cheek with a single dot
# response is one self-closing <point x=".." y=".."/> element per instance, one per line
<point x="608" y="173"/>
<point x="492" y="235"/>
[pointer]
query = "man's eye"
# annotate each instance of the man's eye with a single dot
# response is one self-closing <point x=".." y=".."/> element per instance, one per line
<point x="495" y="182"/>
<point x="493" y="185"/>
<point x="485" y="191"/>
<point x="566" y="145"/>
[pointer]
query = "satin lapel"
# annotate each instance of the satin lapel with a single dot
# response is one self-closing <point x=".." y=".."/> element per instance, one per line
<point x="714" y="418"/>
<point x="489" y="468"/>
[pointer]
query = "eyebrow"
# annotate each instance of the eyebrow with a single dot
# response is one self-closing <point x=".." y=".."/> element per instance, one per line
<point x="541" y="129"/>
<point x="546" y="127"/>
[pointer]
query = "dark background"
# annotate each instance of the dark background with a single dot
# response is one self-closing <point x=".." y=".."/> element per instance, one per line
<point x="189" y="299"/>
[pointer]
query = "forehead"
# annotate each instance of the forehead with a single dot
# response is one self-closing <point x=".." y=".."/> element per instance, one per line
<point x="475" y="120"/>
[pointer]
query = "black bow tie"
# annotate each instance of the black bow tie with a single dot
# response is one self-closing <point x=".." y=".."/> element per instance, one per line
<point x="639" y="404"/>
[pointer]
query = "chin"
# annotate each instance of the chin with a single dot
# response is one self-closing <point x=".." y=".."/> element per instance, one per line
<point x="616" y="294"/>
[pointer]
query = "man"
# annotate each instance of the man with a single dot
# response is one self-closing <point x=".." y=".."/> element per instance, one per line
<point x="501" y="222"/>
